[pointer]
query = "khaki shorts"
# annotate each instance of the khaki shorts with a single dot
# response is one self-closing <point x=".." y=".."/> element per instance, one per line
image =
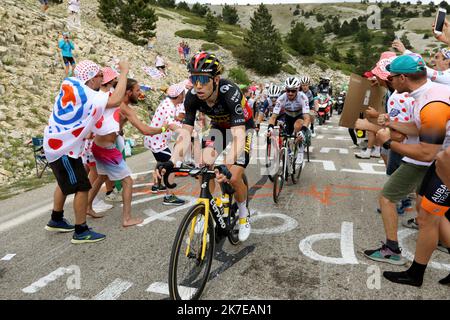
<point x="406" y="179"/>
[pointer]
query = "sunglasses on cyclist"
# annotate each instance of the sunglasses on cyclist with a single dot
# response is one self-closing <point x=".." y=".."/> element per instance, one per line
<point x="291" y="90"/>
<point x="203" y="79"/>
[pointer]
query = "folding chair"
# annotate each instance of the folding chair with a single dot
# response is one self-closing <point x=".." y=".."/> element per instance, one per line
<point x="39" y="155"/>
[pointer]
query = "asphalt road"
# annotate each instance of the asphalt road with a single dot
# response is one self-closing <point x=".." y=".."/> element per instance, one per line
<point x="306" y="247"/>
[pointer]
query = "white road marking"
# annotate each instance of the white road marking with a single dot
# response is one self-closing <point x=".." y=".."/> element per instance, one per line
<point x="288" y="225"/>
<point x="46" y="209"/>
<point x="340" y="138"/>
<point x="44" y="281"/>
<point x="340" y="150"/>
<point x="163" y="288"/>
<point x="136" y="174"/>
<point x="114" y="290"/>
<point x="367" y="168"/>
<point x="158" y="216"/>
<point x="347" y="247"/>
<point x="8" y="257"/>
<point x="142" y="185"/>
<point x="327" y="164"/>
<point x="402" y="235"/>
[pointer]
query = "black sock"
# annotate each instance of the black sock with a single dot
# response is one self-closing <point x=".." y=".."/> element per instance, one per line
<point x="80" y="228"/>
<point x="417" y="270"/>
<point x="108" y="192"/>
<point x="446" y="280"/>
<point x="393" y="245"/>
<point x="57" y="215"/>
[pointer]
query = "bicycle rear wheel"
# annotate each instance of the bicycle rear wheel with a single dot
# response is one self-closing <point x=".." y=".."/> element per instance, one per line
<point x="233" y="218"/>
<point x="188" y="272"/>
<point x="269" y="155"/>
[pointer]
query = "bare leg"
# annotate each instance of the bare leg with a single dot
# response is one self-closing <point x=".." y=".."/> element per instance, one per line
<point x="428" y="236"/>
<point x="58" y="199"/>
<point x="390" y="219"/>
<point x="79" y="207"/>
<point x="92" y="193"/>
<point x="66" y="70"/>
<point x="444" y="232"/>
<point x="127" y="220"/>
<point x="238" y="183"/>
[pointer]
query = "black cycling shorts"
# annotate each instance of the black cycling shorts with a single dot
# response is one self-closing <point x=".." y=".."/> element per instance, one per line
<point x="435" y="194"/>
<point x="219" y="139"/>
<point x="70" y="175"/>
<point x="290" y="121"/>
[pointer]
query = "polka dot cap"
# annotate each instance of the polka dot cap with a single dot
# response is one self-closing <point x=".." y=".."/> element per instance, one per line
<point x="86" y="70"/>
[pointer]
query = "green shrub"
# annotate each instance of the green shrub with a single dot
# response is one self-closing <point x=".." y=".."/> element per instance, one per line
<point x="288" y="69"/>
<point x="209" y="46"/>
<point x="323" y="66"/>
<point x="190" y="34"/>
<point x="239" y="76"/>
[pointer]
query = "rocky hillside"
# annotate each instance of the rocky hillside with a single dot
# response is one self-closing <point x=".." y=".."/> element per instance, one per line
<point x="31" y="69"/>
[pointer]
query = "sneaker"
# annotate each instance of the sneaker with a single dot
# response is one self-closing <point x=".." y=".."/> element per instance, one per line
<point x="355" y="146"/>
<point x="244" y="229"/>
<point x="440" y="247"/>
<point x="411" y="223"/>
<point x="173" y="200"/>
<point x="113" y="197"/>
<point x="365" y="154"/>
<point x="375" y="153"/>
<point x="385" y="254"/>
<point x="59" y="226"/>
<point x="160" y="188"/>
<point x="400" y="209"/>
<point x="101" y="206"/>
<point x="402" y="278"/>
<point x="88" y="236"/>
<point x="313" y="134"/>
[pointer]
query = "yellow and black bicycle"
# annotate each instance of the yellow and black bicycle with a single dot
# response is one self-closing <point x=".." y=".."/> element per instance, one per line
<point x="208" y="222"/>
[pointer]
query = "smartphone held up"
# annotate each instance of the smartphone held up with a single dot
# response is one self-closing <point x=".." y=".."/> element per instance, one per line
<point x="440" y="20"/>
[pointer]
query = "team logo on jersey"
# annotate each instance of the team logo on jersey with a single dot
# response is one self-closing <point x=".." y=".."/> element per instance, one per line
<point x="225" y="88"/>
<point x="238" y="109"/>
<point x="235" y="97"/>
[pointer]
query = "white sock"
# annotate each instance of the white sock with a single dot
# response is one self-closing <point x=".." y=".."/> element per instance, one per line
<point x="243" y="212"/>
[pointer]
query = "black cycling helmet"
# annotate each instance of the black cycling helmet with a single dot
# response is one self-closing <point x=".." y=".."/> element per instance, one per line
<point x="205" y="62"/>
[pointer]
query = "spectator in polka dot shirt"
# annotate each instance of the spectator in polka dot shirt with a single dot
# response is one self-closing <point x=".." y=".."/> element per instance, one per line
<point x="168" y="111"/>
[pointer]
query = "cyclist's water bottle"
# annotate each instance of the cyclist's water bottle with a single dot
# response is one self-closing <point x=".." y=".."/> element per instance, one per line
<point x="226" y="205"/>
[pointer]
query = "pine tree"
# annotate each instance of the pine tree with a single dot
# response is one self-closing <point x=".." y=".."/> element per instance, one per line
<point x="230" y="14"/>
<point x="167" y="3"/>
<point x="263" y="43"/>
<point x="328" y="28"/>
<point x="336" y="25"/>
<point x="351" y="58"/>
<point x="301" y="40"/>
<point x="334" y="54"/>
<point x="199" y="9"/>
<point x="365" y="59"/>
<point x="211" y="27"/>
<point x="109" y="12"/>
<point x="406" y="42"/>
<point x="182" y="5"/>
<point x="137" y="21"/>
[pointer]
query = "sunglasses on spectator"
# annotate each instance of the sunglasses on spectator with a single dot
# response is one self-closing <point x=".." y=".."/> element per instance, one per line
<point x="203" y="79"/>
<point x="389" y="78"/>
<point x="291" y="90"/>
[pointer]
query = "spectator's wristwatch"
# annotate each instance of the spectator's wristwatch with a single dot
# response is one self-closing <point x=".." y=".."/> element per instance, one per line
<point x="387" y="144"/>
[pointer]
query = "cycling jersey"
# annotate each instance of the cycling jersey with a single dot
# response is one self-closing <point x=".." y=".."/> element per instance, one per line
<point x="310" y="97"/>
<point x="231" y="108"/>
<point x="268" y="104"/>
<point x="300" y="105"/>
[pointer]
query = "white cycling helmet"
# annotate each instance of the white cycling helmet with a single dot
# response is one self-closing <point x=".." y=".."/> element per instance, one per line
<point x="274" y="91"/>
<point x="292" y="83"/>
<point x="305" y="80"/>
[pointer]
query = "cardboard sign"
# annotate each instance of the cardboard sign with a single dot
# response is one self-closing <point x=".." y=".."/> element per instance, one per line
<point x="360" y="96"/>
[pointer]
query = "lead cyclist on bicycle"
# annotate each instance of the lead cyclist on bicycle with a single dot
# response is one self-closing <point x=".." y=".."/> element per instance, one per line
<point x="231" y="121"/>
<point x="296" y="109"/>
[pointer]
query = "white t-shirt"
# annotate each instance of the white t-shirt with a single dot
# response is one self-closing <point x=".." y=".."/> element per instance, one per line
<point x="165" y="112"/>
<point x="76" y="110"/>
<point x="159" y="61"/>
<point x="74" y="5"/>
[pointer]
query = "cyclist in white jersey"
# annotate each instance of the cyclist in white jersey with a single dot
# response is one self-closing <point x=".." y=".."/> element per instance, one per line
<point x="296" y="109"/>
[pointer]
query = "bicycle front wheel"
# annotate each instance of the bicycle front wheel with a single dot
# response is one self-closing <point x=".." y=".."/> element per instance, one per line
<point x="188" y="270"/>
